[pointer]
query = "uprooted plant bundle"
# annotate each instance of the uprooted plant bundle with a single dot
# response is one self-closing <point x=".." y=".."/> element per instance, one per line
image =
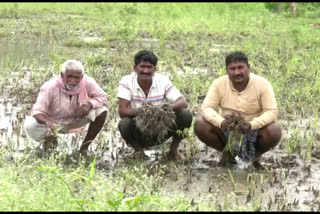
<point x="238" y="143"/>
<point x="155" y="121"/>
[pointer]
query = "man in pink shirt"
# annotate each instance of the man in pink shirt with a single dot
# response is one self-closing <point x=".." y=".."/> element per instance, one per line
<point x="65" y="104"/>
<point x="244" y="93"/>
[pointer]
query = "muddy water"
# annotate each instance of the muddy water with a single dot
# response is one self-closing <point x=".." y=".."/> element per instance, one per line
<point x="288" y="183"/>
<point x="18" y="49"/>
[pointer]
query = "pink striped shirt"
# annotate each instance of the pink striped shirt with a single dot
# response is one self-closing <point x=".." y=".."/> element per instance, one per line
<point x="162" y="90"/>
<point x="58" y="106"/>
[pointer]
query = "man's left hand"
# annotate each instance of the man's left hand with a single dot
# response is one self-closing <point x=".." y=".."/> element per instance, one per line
<point x="245" y="127"/>
<point x="84" y="109"/>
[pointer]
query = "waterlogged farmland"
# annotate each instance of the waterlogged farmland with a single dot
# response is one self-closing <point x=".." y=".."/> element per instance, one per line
<point x="191" y="41"/>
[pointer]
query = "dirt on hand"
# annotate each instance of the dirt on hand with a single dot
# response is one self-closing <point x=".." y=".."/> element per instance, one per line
<point x="236" y="121"/>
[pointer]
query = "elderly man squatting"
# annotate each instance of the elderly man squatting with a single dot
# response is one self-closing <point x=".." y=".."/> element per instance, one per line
<point x="68" y="101"/>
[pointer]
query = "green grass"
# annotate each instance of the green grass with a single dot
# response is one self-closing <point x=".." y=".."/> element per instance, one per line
<point x="185" y="37"/>
<point x="48" y="185"/>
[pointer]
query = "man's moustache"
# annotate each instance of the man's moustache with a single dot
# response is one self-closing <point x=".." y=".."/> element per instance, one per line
<point x="238" y="76"/>
<point x="71" y="86"/>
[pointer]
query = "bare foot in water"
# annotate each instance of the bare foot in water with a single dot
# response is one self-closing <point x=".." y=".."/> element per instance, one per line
<point x="174" y="155"/>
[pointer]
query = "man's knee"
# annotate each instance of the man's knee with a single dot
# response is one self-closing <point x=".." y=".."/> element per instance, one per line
<point x="34" y="129"/>
<point x="184" y="119"/>
<point x="125" y="126"/>
<point x="271" y="133"/>
<point x="200" y="126"/>
<point x="209" y="134"/>
<point x="102" y="116"/>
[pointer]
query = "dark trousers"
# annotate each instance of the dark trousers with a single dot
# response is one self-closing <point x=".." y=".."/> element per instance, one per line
<point x="132" y="135"/>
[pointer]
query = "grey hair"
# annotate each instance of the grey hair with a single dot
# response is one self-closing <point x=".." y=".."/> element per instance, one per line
<point x="72" y="64"/>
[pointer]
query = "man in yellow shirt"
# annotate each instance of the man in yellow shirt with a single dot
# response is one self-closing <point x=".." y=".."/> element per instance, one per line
<point x="242" y="92"/>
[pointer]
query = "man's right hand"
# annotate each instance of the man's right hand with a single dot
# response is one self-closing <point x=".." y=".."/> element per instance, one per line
<point x="227" y="125"/>
<point x="51" y="125"/>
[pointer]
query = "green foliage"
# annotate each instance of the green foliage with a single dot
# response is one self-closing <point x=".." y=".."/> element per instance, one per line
<point x="295" y="141"/>
<point x="304" y="9"/>
<point x="11" y="12"/>
<point x="81" y="43"/>
<point x="4" y="33"/>
<point x="272" y="6"/>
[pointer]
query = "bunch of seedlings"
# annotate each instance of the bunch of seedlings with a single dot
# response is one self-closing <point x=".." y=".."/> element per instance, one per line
<point x="239" y="144"/>
<point x="155" y="121"/>
<point x="50" y="142"/>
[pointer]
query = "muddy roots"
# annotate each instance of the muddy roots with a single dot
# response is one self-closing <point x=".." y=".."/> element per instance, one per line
<point x="155" y="122"/>
<point x="239" y="144"/>
<point x="50" y="143"/>
<point x="236" y="121"/>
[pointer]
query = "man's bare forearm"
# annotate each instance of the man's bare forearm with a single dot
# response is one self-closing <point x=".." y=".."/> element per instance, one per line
<point x="42" y="118"/>
<point x="179" y="104"/>
<point x="128" y="112"/>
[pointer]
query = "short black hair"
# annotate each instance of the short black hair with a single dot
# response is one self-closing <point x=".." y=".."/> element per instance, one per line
<point x="236" y="56"/>
<point x="145" y="55"/>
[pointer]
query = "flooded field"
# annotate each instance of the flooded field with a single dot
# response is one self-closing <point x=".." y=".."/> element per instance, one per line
<point x="288" y="183"/>
<point x="290" y="180"/>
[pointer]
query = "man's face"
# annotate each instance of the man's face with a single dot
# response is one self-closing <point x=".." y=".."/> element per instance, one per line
<point x="145" y="70"/>
<point x="71" y="79"/>
<point x="238" y="72"/>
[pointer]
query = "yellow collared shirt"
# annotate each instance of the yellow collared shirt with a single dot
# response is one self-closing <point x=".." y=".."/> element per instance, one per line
<point x="256" y="103"/>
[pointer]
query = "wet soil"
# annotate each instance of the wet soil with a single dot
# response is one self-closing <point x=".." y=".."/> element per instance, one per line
<point x="288" y="182"/>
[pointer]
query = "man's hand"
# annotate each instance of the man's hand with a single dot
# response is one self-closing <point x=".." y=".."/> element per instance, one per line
<point x="244" y="127"/>
<point x="51" y="125"/>
<point x="168" y="107"/>
<point x="227" y="125"/>
<point x="84" y="110"/>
